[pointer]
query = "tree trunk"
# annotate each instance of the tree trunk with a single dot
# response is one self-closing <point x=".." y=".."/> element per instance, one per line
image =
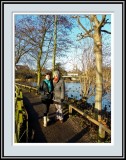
<point x="38" y="72"/>
<point x="39" y="59"/>
<point x="55" y="42"/>
<point x="99" y="81"/>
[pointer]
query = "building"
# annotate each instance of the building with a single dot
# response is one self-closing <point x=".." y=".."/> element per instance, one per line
<point x="73" y="74"/>
<point x="22" y="67"/>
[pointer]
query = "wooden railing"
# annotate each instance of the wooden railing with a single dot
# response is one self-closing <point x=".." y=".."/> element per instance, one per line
<point x="102" y="127"/>
<point x="30" y="88"/>
<point x="21" y="117"/>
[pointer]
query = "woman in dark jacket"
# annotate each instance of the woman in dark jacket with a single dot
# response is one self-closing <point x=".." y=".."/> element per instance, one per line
<point x="59" y="94"/>
<point x="46" y="88"/>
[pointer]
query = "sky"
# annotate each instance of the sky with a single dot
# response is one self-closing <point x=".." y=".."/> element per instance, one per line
<point x="73" y="52"/>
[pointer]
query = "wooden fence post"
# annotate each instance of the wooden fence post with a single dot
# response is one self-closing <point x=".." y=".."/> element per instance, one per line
<point x="101" y="134"/>
<point x="27" y="136"/>
<point x="21" y="116"/>
<point x="70" y="111"/>
<point x="29" y="89"/>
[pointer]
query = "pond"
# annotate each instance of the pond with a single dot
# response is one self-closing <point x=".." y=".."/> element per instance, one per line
<point x="73" y="90"/>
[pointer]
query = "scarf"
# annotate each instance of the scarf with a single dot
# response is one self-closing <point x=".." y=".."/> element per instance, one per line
<point x="48" y="82"/>
<point x="56" y="79"/>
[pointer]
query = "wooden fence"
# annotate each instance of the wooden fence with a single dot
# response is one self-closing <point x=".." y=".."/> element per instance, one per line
<point x="30" y="88"/>
<point x="21" y="117"/>
<point x="102" y="127"/>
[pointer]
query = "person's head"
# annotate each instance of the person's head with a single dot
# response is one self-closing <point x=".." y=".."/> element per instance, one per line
<point x="48" y="75"/>
<point x="56" y="74"/>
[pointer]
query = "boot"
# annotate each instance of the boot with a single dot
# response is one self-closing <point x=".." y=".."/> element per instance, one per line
<point x="48" y="118"/>
<point x="45" y="121"/>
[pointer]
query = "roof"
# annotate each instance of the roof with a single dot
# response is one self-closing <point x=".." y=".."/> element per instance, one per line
<point x="19" y="67"/>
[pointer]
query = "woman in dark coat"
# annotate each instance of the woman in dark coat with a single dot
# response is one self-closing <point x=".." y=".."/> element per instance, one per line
<point x="46" y="88"/>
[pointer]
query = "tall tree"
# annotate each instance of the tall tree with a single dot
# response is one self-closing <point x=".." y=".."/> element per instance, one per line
<point x="61" y="36"/>
<point x="94" y="32"/>
<point x="35" y="31"/>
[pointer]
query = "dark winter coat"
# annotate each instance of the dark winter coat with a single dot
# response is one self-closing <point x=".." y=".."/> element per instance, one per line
<point x="44" y="91"/>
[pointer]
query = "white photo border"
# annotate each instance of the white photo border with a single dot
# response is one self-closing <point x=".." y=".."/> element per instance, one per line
<point x="65" y="150"/>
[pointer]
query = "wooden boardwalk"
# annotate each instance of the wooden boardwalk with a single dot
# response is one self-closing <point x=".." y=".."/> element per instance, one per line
<point x="74" y="129"/>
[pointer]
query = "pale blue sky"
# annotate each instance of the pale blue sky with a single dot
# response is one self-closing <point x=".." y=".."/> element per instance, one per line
<point x="73" y="35"/>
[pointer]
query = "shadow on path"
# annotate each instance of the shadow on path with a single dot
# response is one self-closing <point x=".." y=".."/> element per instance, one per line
<point x="34" y="129"/>
<point x="78" y="136"/>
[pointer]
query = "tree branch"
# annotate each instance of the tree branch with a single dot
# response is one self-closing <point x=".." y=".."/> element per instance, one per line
<point x="87" y="32"/>
<point x="81" y="36"/>
<point x="102" y="21"/>
<point x="105" y="31"/>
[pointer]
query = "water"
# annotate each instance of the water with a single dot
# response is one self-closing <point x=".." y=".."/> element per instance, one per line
<point x="106" y="101"/>
<point x="73" y="90"/>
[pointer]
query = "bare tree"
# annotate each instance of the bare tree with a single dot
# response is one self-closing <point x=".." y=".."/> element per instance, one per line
<point x="35" y="31"/>
<point x="21" y="48"/>
<point x="62" y="40"/>
<point x="94" y="32"/>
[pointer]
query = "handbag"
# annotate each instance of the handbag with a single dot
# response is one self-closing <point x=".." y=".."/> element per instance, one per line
<point x="46" y="96"/>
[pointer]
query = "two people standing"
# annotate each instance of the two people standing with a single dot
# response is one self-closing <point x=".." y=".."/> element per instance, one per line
<point x="52" y="90"/>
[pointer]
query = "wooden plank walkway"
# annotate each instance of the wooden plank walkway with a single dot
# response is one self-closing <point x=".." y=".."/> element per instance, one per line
<point x="73" y="130"/>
